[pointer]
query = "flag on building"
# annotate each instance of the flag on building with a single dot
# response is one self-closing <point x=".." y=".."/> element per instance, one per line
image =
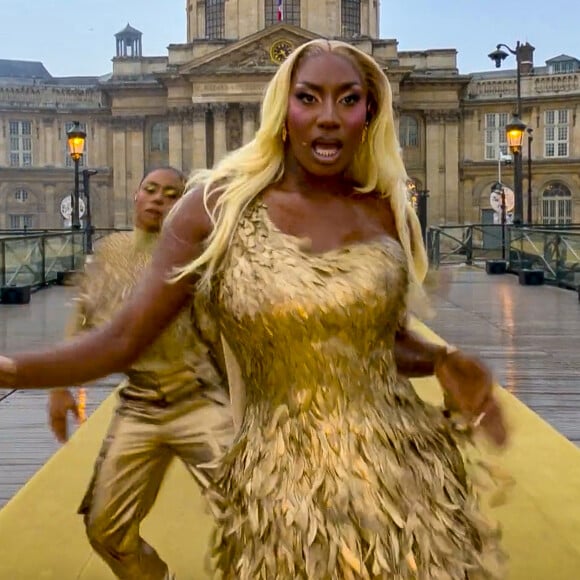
<point x="280" y="11"/>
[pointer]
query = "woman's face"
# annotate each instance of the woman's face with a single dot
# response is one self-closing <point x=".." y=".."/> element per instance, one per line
<point x="156" y="195"/>
<point x="327" y="112"/>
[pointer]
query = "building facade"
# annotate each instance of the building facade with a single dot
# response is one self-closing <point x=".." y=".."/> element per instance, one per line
<point x="190" y="107"/>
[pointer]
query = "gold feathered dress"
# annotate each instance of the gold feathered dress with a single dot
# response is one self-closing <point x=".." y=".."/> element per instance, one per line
<point x="339" y="469"/>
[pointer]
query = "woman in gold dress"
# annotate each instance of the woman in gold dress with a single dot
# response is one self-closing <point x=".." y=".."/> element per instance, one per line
<point x="173" y="403"/>
<point x="310" y="261"/>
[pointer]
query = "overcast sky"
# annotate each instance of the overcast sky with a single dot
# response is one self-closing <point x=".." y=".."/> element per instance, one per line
<point x="76" y="38"/>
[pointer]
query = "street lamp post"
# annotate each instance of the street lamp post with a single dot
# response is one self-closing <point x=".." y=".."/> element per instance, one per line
<point x="516" y="124"/>
<point x="418" y="199"/>
<point x="76" y="146"/>
<point x="515" y="135"/>
<point x="87" y="173"/>
<point x="422" y="196"/>
<point x="530" y="132"/>
<point x="499" y="189"/>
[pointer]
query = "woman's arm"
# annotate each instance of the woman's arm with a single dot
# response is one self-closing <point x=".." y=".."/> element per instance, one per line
<point x="153" y="305"/>
<point x="465" y="380"/>
<point x="416" y="357"/>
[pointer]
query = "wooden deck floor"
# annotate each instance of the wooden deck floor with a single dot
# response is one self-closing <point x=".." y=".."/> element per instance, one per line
<point x="541" y="520"/>
<point x="529" y="335"/>
<point x="26" y="442"/>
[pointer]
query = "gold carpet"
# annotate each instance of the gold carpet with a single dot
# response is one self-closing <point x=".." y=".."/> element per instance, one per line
<point x="41" y="537"/>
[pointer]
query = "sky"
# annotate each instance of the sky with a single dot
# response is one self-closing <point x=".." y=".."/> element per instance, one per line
<point x="77" y="38"/>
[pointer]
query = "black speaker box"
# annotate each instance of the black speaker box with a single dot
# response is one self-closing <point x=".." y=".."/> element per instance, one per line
<point x="15" y="294"/>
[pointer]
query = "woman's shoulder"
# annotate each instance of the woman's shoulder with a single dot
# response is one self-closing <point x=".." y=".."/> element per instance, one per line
<point x="190" y="219"/>
<point x="115" y="242"/>
<point x="110" y="247"/>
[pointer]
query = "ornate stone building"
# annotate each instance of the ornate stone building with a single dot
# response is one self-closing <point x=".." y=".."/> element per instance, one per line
<point x="202" y="99"/>
<point x="550" y="104"/>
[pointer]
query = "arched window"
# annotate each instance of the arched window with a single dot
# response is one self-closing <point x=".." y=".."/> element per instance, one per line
<point x="557" y="204"/>
<point x="286" y="11"/>
<point x="21" y="195"/>
<point x="408" y="131"/>
<point x="159" y="137"/>
<point x="350" y="18"/>
<point x="215" y="18"/>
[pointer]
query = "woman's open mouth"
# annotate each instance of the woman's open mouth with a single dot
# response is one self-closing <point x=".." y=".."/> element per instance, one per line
<point x="326" y="151"/>
<point x="154" y="212"/>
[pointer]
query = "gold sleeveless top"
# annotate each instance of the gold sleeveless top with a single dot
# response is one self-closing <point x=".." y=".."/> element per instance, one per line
<point x="178" y="362"/>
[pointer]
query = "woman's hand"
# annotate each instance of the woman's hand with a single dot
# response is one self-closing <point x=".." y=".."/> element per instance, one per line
<point x="61" y="402"/>
<point x="468" y="383"/>
<point x="7" y="372"/>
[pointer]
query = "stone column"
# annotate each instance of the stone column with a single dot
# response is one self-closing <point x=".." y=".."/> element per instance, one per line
<point x="4" y="147"/>
<point x="200" y="20"/>
<point x="135" y="158"/>
<point x="473" y="145"/>
<point x="100" y="152"/>
<point x="175" y="141"/>
<point x="471" y="204"/>
<point x="454" y="209"/>
<point x="199" y="138"/>
<point x="433" y="169"/>
<point x="396" y="117"/>
<point x="249" y="111"/>
<point x="48" y="158"/>
<point x="232" y="21"/>
<point x="364" y="18"/>
<point x="219" y="131"/>
<point x="191" y="20"/>
<point x="122" y="206"/>
<point x="249" y="17"/>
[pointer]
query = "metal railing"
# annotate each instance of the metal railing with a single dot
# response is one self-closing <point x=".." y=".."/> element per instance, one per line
<point x="553" y="249"/>
<point x="36" y="258"/>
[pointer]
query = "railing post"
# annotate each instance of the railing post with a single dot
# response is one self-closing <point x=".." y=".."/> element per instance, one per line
<point x="552" y="253"/>
<point x="72" y="251"/>
<point x="561" y="255"/>
<point x="437" y="247"/>
<point x="469" y="246"/>
<point x="43" y="258"/>
<point x="2" y="263"/>
<point x="508" y="232"/>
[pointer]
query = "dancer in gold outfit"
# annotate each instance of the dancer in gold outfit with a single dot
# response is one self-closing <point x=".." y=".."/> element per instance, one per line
<point x="310" y="260"/>
<point x="172" y="404"/>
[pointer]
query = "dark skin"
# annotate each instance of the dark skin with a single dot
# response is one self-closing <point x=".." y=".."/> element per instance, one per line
<point x="329" y="106"/>
<point x="155" y="196"/>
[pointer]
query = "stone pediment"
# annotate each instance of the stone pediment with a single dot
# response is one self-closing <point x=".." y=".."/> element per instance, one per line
<point x="260" y="52"/>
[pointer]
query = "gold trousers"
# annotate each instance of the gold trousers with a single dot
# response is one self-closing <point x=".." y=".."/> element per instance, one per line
<point x="140" y="444"/>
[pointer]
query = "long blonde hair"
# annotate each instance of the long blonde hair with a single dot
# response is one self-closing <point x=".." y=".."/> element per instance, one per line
<point x="243" y="174"/>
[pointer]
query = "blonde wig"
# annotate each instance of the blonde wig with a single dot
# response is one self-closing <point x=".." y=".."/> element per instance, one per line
<point x="243" y="174"/>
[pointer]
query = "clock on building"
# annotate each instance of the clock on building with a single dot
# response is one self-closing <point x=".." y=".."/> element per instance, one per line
<point x="280" y="50"/>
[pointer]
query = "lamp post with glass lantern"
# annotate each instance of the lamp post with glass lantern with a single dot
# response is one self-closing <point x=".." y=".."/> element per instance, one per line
<point x="87" y="174"/>
<point x="515" y="130"/>
<point x="76" y="146"/>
